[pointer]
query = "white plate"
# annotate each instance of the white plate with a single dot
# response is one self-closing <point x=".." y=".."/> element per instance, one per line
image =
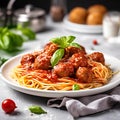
<point x="81" y="28"/>
<point x="11" y="63"/>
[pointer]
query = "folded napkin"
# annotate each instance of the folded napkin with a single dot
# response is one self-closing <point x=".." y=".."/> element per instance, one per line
<point x="82" y="106"/>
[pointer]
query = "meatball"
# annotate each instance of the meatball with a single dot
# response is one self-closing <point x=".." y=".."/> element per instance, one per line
<point x="37" y="53"/>
<point x="79" y="59"/>
<point x="84" y="75"/>
<point x="63" y="69"/>
<point x="69" y="51"/>
<point x="27" y="59"/>
<point x="50" y="48"/>
<point x="98" y="57"/>
<point x="42" y="62"/>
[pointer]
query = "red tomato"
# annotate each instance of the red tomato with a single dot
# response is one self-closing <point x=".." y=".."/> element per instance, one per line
<point x="8" y="106"/>
<point x="95" y="42"/>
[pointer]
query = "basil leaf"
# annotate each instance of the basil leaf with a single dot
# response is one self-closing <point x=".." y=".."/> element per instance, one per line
<point x="1" y="29"/>
<point x="56" y="41"/>
<point x="75" y="87"/>
<point x="58" y="54"/>
<point x="37" y="110"/>
<point x="5" y="41"/>
<point x="75" y="45"/>
<point x="11" y="40"/>
<point x="2" y="60"/>
<point x="70" y="39"/>
<point x="64" y="42"/>
<point x="4" y="30"/>
<point x="28" y="33"/>
<point x="17" y="39"/>
<point x="1" y="42"/>
<point x="60" y="41"/>
<point x="63" y="38"/>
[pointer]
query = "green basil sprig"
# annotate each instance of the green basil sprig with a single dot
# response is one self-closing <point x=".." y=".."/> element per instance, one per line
<point x="62" y="42"/>
<point x="27" y="32"/>
<point x="57" y="56"/>
<point x="2" y="60"/>
<point x="10" y="41"/>
<point x="37" y="110"/>
<point x="75" y="87"/>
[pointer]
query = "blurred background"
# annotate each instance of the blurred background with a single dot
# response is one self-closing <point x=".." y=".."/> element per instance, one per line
<point x="45" y="4"/>
<point x="84" y="16"/>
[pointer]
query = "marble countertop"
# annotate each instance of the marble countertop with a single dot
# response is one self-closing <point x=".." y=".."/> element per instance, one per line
<point x="23" y="101"/>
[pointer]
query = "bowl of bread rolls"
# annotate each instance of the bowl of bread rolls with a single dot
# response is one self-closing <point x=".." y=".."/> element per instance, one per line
<point x="85" y="20"/>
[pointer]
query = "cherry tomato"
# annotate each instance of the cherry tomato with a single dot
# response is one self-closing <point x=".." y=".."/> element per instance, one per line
<point x="95" y="42"/>
<point x="8" y="106"/>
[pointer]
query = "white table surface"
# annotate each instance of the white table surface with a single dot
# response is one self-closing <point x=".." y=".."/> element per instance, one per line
<point x="23" y="101"/>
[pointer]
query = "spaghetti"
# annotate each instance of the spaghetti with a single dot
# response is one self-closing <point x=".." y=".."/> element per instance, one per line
<point x="62" y="77"/>
<point x="33" y="79"/>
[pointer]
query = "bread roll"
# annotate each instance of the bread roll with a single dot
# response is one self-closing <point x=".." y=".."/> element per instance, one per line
<point x="95" y="18"/>
<point x="97" y="8"/>
<point x="78" y="15"/>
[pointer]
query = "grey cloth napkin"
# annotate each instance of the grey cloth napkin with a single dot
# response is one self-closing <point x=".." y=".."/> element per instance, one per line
<point x="82" y="106"/>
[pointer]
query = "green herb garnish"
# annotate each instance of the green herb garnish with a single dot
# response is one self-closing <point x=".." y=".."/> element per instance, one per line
<point x="57" y="56"/>
<point x="75" y="87"/>
<point x="27" y="32"/>
<point x="63" y="42"/>
<point x="2" y="60"/>
<point x="12" y="39"/>
<point x="37" y="110"/>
